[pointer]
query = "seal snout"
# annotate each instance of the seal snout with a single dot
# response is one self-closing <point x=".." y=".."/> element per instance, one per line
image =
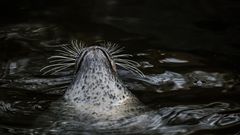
<point x="95" y="50"/>
<point x="96" y="53"/>
<point x="94" y="57"/>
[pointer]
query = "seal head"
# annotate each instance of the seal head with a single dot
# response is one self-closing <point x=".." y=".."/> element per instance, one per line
<point x="96" y="89"/>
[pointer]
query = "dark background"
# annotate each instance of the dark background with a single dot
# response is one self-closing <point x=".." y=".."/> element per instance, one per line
<point x="206" y="27"/>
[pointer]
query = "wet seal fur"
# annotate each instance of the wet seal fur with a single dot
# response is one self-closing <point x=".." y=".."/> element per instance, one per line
<point x="96" y="90"/>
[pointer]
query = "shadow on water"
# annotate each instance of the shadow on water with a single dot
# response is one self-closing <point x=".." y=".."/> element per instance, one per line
<point x="188" y="51"/>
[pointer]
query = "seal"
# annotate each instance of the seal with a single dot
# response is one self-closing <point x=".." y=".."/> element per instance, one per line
<point x="97" y="102"/>
<point x="96" y="90"/>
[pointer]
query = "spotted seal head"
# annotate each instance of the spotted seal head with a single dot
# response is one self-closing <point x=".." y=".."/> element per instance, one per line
<point x="96" y="89"/>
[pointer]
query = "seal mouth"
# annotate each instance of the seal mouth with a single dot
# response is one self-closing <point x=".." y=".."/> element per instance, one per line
<point x="72" y="56"/>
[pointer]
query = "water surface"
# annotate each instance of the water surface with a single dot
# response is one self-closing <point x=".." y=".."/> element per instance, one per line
<point x="189" y="90"/>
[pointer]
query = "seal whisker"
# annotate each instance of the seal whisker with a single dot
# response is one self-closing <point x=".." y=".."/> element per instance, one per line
<point x="121" y="55"/>
<point x="59" y="64"/>
<point x="73" y="42"/>
<point x="60" y="57"/>
<point x="127" y="64"/>
<point x="52" y="69"/>
<point x="73" y="46"/>
<point x="127" y="61"/>
<point x="56" y="65"/>
<point x="77" y="47"/>
<point x="66" y="53"/>
<point x="70" y="53"/>
<point x="131" y="68"/>
<point x="113" y="48"/>
<point x="116" y="51"/>
<point x="58" y="68"/>
<point x="68" y="49"/>
<point x="66" y="57"/>
<point x="61" y="69"/>
<point x="60" y="60"/>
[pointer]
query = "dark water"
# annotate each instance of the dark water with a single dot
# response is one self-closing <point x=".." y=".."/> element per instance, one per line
<point x="188" y="51"/>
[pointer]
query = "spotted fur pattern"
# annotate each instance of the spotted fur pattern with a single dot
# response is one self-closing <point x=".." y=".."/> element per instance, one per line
<point x="96" y="90"/>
